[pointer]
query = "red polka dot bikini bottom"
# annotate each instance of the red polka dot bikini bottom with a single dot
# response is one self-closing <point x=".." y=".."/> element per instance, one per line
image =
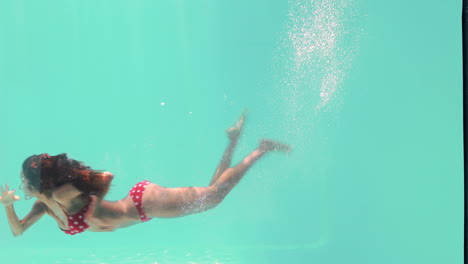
<point x="136" y="193"/>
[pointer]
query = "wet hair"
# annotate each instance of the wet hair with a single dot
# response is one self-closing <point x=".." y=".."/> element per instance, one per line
<point x="45" y="173"/>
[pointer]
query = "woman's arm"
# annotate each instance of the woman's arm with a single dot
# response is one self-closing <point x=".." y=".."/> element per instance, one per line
<point x="18" y="227"/>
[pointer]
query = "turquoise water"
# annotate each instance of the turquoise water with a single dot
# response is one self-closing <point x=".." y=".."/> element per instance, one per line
<point x="368" y="93"/>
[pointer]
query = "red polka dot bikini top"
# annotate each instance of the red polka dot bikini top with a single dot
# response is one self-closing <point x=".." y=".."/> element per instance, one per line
<point x="76" y="222"/>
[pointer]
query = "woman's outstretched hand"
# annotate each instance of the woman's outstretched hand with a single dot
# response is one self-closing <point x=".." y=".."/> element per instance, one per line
<point x="8" y="197"/>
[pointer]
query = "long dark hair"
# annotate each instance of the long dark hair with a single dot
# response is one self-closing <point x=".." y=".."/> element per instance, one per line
<point x="44" y="173"/>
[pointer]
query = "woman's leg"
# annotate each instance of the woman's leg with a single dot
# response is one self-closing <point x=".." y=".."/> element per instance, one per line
<point x="233" y="175"/>
<point x="175" y="202"/>
<point x="233" y="134"/>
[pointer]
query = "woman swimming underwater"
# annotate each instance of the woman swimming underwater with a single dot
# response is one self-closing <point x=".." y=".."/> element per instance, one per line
<point x="73" y="193"/>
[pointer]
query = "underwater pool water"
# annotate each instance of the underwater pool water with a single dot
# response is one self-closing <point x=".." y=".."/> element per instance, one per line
<point x="368" y="93"/>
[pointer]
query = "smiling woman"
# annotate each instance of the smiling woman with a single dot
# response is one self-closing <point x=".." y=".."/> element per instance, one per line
<point x="72" y="193"/>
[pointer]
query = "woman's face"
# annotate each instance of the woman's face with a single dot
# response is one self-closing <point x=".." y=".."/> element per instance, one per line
<point x="27" y="191"/>
<point x="64" y="193"/>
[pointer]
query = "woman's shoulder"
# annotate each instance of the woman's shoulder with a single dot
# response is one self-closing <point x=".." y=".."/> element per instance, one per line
<point x="66" y="192"/>
<point x="108" y="174"/>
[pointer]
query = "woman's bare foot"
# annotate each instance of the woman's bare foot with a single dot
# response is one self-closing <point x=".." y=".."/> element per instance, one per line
<point x="267" y="145"/>
<point x="234" y="132"/>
